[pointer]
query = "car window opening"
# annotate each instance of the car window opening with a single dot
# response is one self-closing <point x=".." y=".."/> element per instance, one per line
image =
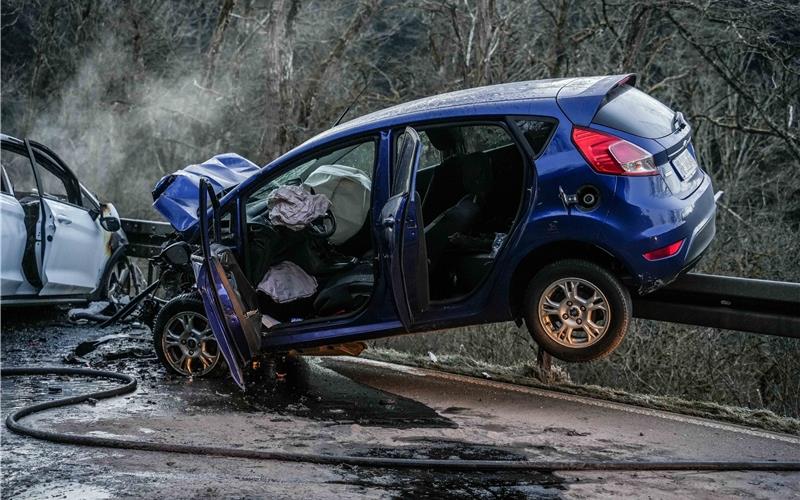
<point x="471" y="184"/>
<point x="309" y="250"/>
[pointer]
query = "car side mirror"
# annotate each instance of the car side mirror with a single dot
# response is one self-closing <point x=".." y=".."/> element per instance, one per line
<point x="177" y="254"/>
<point x="110" y="224"/>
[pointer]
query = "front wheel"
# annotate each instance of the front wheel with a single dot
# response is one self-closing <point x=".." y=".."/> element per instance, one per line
<point x="183" y="339"/>
<point x="577" y="311"/>
<point x="122" y="280"/>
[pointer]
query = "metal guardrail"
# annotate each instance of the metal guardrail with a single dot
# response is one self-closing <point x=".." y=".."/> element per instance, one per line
<point x="145" y="237"/>
<point x="742" y="304"/>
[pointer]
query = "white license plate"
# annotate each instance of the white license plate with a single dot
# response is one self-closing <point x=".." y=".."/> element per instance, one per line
<point x="685" y="164"/>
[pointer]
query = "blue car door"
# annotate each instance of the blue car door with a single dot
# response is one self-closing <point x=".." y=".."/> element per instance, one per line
<point x="229" y="299"/>
<point x="404" y="232"/>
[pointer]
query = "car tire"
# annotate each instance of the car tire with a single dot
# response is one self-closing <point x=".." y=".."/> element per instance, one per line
<point x="172" y="318"/>
<point x="114" y="265"/>
<point x="577" y="311"/>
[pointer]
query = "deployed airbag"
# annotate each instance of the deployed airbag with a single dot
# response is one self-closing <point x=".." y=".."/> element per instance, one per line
<point x="295" y="206"/>
<point x="286" y="281"/>
<point x="348" y="189"/>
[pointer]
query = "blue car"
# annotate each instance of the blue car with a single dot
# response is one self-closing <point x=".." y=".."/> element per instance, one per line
<point x="548" y="202"/>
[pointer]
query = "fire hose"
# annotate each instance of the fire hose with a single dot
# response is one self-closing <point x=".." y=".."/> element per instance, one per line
<point x="129" y="383"/>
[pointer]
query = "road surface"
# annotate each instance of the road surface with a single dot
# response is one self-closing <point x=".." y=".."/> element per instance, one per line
<point x="356" y="407"/>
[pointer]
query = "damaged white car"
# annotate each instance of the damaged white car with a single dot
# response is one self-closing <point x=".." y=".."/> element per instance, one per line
<point x="59" y="243"/>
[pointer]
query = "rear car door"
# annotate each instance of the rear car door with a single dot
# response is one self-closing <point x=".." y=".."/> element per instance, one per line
<point x="75" y="250"/>
<point x="229" y="299"/>
<point x="404" y="233"/>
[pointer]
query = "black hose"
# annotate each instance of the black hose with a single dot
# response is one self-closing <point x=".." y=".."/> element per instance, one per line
<point x="13" y="423"/>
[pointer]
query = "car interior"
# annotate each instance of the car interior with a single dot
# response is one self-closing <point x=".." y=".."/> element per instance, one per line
<point x="470" y="187"/>
<point x="470" y="184"/>
<point x="336" y="250"/>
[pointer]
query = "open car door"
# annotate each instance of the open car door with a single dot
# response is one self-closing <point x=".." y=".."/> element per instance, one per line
<point x="404" y="232"/>
<point x="66" y="226"/>
<point x="14" y="235"/>
<point x="229" y="299"/>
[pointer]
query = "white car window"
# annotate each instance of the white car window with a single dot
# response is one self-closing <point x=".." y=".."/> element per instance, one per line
<point x="19" y="171"/>
<point x="52" y="185"/>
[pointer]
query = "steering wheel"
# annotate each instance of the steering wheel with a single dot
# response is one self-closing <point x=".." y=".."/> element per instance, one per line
<point x="323" y="227"/>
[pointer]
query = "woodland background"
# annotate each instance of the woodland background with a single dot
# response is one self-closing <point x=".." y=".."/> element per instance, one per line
<point x="127" y="92"/>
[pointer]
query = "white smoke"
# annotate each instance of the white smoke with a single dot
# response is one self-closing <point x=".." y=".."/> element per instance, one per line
<point x="120" y="129"/>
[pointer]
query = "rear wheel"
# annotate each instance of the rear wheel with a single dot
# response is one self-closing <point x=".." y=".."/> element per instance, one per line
<point x="183" y="339"/>
<point x="577" y="311"/>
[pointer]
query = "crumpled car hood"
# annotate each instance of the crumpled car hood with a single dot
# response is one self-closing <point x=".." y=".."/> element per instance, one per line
<point x="176" y="196"/>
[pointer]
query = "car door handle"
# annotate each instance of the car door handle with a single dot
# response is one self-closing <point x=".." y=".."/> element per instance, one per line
<point x="389" y="221"/>
<point x="63" y="220"/>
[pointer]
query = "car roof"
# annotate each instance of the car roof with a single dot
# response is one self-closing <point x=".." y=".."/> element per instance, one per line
<point x="447" y="105"/>
<point x="516" y="98"/>
<point x="581" y="98"/>
<point x="35" y="145"/>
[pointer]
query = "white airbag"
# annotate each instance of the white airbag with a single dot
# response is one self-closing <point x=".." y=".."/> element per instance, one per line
<point x="348" y="189"/>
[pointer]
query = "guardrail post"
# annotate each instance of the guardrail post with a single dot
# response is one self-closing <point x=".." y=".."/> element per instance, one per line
<point x="545" y="364"/>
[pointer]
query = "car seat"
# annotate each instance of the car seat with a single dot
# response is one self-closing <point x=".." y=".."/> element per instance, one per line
<point x="346" y="292"/>
<point x="476" y="180"/>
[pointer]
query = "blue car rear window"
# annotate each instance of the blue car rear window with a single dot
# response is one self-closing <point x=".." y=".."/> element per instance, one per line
<point x="630" y="110"/>
<point x="537" y="133"/>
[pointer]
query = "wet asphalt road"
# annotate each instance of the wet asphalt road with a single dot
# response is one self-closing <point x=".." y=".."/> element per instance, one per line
<point x="352" y="407"/>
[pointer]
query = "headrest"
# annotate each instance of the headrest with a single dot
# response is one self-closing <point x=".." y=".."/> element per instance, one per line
<point x="447" y="139"/>
<point x="476" y="172"/>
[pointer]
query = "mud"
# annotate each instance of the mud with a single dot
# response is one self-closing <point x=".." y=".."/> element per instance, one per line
<point x="324" y="406"/>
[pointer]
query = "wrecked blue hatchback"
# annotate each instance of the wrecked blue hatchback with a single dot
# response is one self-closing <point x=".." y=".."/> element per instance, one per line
<point x="545" y="201"/>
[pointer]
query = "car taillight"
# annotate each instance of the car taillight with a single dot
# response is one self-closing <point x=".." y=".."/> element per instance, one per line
<point x="611" y="155"/>
<point x="664" y="252"/>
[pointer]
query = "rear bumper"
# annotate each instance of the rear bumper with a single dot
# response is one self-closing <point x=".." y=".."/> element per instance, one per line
<point x="658" y="221"/>
<point x="700" y="241"/>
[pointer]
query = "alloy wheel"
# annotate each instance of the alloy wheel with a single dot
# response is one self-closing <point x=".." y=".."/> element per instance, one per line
<point x="574" y="312"/>
<point x="123" y="282"/>
<point x="189" y="345"/>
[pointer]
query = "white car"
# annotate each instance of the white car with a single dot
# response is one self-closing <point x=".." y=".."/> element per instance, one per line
<point x="59" y="243"/>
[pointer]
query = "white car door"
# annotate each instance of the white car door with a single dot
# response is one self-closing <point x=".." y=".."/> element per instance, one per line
<point x="75" y="245"/>
<point x="75" y="250"/>
<point x="13" y="238"/>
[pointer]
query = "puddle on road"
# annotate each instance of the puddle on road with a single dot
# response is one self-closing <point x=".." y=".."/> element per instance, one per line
<point x="426" y="484"/>
<point x="310" y="390"/>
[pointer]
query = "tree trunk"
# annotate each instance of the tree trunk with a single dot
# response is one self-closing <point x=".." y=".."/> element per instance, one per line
<point x="278" y="77"/>
<point x="217" y="38"/>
